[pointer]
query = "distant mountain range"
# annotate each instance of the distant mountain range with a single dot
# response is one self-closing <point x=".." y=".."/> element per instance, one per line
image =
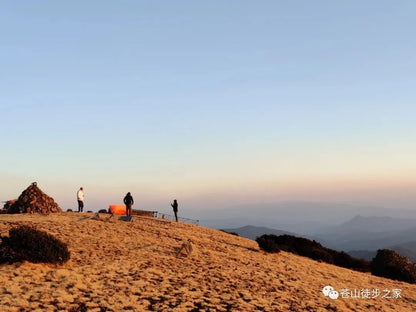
<point x="368" y="233"/>
<point x="252" y="232"/>
<point x="306" y="218"/>
<point x="360" y="236"/>
<point x="407" y="249"/>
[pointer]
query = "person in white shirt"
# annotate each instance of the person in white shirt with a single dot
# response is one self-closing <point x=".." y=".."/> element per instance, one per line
<point x="80" y="197"/>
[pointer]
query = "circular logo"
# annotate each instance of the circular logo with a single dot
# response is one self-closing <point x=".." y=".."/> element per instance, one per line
<point x="326" y="290"/>
<point x="333" y="294"/>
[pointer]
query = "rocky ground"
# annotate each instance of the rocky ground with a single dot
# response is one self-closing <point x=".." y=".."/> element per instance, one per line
<point x="132" y="266"/>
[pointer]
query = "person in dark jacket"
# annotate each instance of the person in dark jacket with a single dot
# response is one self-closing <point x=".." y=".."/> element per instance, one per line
<point x="175" y="209"/>
<point x="128" y="201"/>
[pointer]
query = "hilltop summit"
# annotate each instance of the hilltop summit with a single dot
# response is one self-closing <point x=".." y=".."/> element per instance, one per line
<point x="132" y="266"/>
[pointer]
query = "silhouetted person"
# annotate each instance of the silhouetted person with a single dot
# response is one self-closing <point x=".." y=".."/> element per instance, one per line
<point x="175" y="209"/>
<point x="128" y="201"/>
<point x="80" y="198"/>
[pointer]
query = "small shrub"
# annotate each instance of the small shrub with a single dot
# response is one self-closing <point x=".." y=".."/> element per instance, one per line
<point x="311" y="249"/>
<point x="343" y="259"/>
<point x="388" y="263"/>
<point x="268" y="243"/>
<point x="25" y="243"/>
<point x="320" y="254"/>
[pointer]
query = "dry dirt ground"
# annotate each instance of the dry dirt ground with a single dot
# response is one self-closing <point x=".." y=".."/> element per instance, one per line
<point x="132" y="266"/>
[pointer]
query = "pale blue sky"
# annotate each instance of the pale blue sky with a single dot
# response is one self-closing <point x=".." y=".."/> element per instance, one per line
<point x="232" y="100"/>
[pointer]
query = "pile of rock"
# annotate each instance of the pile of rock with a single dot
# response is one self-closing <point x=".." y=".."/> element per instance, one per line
<point x="7" y="205"/>
<point x="33" y="200"/>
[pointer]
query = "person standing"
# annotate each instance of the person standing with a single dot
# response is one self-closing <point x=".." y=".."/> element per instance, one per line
<point x="128" y="201"/>
<point x="80" y="197"/>
<point x="175" y="208"/>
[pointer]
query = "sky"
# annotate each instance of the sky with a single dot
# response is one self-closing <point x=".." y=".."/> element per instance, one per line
<point x="215" y="103"/>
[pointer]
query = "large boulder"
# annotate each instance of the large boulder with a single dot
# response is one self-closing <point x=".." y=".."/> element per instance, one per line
<point x="33" y="200"/>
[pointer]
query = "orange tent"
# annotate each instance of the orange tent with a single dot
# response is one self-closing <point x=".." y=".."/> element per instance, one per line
<point x="118" y="209"/>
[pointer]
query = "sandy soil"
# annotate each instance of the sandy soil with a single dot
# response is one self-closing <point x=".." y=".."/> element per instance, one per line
<point x="132" y="266"/>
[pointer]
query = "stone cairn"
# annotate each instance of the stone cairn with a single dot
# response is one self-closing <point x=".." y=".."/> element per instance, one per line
<point x="33" y="200"/>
